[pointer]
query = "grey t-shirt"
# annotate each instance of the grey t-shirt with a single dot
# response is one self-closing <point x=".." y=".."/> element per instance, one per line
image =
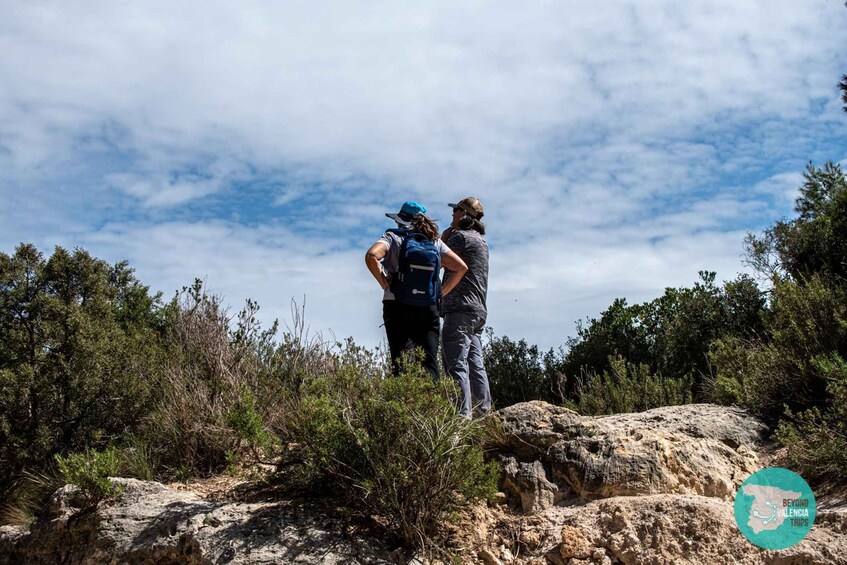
<point x="391" y="261"/>
<point x="471" y="292"/>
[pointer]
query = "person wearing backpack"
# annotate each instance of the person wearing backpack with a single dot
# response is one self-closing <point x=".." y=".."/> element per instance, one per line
<point x="406" y="262"/>
<point x="465" y="310"/>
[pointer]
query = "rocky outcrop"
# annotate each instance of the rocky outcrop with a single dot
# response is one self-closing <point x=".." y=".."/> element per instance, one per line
<point x="152" y="523"/>
<point x="660" y="529"/>
<point x="655" y="487"/>
<point x="552" y="453"/>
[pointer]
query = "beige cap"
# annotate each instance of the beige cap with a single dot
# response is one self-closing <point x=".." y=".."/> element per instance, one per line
<point x="471" y="205"/>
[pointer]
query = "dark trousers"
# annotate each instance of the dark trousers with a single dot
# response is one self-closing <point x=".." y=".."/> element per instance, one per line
<point x="408" y="327"/>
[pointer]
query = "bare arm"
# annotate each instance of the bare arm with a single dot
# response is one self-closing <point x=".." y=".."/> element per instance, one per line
<point x="372" y="259"/>
<point x="453" y="262"/>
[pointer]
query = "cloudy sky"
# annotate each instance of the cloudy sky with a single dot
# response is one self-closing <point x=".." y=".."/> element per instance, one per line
<point x="618" y="146"/>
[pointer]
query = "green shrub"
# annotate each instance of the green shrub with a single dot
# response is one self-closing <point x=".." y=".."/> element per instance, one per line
<point x="80" y="345"/>
<point x="140" y="459"/>
<point x="217" y="368"/>
<point x="518" y="372"/>
<point x="629" y="388"/>
<point x="90" y="472"/>
<point x="394" y="447"/>
<point x="765" y="375"/>
<point x="817" y="438"/>
<point x="246" y="423"/>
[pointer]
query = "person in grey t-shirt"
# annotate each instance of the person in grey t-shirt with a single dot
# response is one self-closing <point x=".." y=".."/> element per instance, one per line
<point x="464" y="310"/>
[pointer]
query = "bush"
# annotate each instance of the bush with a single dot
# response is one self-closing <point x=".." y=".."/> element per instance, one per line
<point x="246" y="423"/>
<point x="208" y="413"/>
<point x="80" y="345"/>
<point x="394" y="447"/>
<point x="629" y="388"/>
<point x="670" y="334"/>
<point x="817" y="438"/>
<point x="518" y="372"/>
<point x="90" y="472"/>
<point x="765" y="375"/>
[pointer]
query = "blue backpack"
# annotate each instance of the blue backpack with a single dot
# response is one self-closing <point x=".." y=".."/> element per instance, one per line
<point x="417" y="281"/>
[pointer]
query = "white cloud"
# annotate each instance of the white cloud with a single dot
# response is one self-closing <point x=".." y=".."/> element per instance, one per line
<point x="618" y="148"/>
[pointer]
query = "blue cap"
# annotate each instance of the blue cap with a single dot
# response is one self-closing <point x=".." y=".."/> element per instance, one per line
<point x="407" y="212"/>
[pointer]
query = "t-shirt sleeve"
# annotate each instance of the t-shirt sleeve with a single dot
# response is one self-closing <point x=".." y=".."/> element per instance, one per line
<point x="456" y="242"/>
<point x="441" y="247"/>
<point x="386" y="239"/>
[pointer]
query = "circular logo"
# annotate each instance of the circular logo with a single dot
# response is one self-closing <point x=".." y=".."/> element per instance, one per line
<point x="774" y="508"/>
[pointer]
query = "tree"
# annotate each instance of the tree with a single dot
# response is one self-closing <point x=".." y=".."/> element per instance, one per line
<point x="79" y="340"/>
<point x="815" y="242"/>
<point x="518" y="372"/>
<point x="669" y="335"/>
<point x="806" y="258"/>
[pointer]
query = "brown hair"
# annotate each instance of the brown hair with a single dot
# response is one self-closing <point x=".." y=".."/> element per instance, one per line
<point x="471" y="223"/>
<point x="427" y="227"/>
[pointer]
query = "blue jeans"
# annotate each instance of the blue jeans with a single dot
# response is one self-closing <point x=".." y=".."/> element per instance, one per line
<point x="461" y="341"/>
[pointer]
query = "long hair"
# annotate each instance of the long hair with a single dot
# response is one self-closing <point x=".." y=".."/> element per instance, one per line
<point x="469" y="223"/>
<point x="427" y="227"/>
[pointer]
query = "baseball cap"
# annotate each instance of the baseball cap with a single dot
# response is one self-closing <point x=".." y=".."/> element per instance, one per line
<point x="471" y="205"/>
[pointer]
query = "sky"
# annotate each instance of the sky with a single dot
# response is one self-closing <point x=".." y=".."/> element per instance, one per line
<point x="618" y="147"/>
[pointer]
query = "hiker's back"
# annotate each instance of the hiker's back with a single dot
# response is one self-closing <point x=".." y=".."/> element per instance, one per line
<point x="416" y="281"/>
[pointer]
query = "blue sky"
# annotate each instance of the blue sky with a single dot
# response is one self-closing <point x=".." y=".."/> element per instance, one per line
<point x="619" y="148"/>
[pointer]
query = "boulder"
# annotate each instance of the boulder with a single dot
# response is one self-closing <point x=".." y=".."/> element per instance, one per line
<point x="151" y="523"/>
<point x="649" y="488"/>
<point x="698" y="449"/>
<point x="679" y="529"/>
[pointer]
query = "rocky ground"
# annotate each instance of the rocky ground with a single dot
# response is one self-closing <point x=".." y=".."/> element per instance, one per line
<point x="650" y="488"/>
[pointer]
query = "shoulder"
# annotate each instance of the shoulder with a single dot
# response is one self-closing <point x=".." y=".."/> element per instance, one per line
<point x="441" y="247"/>
<point x="456" y="239"/>
<point x="461" y="240"/>
<point x="391" y="237"/>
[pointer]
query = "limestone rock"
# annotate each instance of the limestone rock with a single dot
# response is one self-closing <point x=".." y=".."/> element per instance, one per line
<point x="575" y="543"/>
<point x="678" y="467"/>
<point x="529" y="480"/>
<point x="681" y="529"/>
<point x="694" y="449"/>
<point x="151" y="523"/>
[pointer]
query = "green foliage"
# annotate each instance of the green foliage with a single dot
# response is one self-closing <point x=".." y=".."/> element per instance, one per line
<point x="394" y="447"/>
<point x="208" y="414"/>
<point x="807" y="318"/>
<point x="669" y="335"/>
<point x="244" y="420"/>
<point x="90" y="472"/>
<point x="629" y="388"/>
<point x="79" y="340"/>
<point x="140" y="459"/>
<point x="817" y="438"/>
<point x="518" y="372"/>
<point x="815" y="242"/>
<point x="843" y="86"/>
<point x="89" y="359"/>
<point x="793" y="373"/>
<point x="619" y="331"/>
